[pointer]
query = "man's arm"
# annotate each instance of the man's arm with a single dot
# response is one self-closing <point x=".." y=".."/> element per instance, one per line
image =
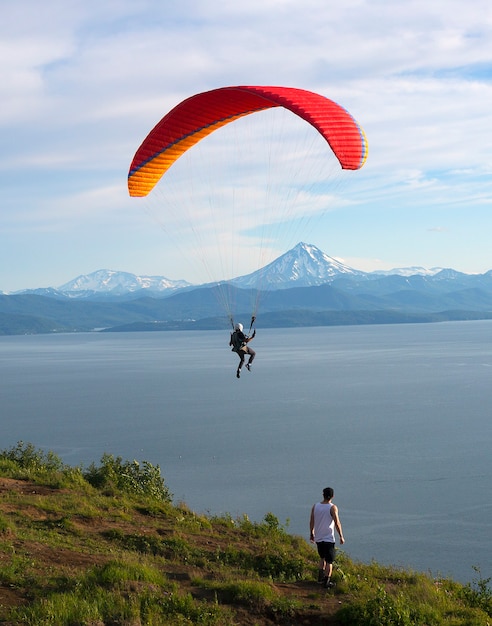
<point x="338" y="525"/>
<point x="311" y="526"/>
<point x="248" y="339"/>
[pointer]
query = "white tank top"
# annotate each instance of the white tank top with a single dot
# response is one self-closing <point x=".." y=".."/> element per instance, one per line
<point x="324" y="524"/>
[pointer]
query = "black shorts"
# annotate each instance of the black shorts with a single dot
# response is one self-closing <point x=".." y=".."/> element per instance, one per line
<point x="326" y="551"/>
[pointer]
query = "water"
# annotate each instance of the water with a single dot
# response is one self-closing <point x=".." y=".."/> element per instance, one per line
<point x="396" y="418"/>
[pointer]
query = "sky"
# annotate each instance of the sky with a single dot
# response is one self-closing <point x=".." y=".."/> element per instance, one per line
<point x="83" y="82"/>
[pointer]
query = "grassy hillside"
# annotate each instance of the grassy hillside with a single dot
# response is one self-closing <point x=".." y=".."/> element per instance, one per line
<point x="106" y="545"/>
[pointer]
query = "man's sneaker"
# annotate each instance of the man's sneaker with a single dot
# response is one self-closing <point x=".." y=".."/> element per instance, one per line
<point x="248" y="367"/>
<point x="238" y="374"/>
<point x="328" y="584"/>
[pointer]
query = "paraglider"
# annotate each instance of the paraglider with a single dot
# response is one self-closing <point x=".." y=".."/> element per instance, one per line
<point x="239" y="342"/>
<point x="195" y="119"/>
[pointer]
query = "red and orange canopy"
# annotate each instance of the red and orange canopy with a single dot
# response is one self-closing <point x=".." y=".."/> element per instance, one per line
<point x="198" y="116"/>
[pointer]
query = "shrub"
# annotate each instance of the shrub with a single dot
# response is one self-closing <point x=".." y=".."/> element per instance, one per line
<point x="24" y="461"/>
<point x="129" y="477"/>
<point x="25" y="456"/>
<point x="270" y="525"/>
<point x="478" y="593"/>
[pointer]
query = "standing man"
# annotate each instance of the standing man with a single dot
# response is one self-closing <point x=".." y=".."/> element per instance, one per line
<point x="323" y="523"/>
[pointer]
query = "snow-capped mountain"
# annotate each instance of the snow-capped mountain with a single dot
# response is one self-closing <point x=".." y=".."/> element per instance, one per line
<point x="303" y="266"/>
<point x="119" y="283"/>
<point x="409" y="271"/>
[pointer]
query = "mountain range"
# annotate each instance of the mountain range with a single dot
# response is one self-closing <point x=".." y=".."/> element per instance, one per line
<point x="303" y="287"/>
<point x="303" y="266"/>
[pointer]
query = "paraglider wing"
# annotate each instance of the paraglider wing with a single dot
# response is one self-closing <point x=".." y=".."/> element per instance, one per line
<point x="201" y="114"/>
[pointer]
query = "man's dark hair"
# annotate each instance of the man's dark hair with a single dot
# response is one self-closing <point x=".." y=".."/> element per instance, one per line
<point x="328" y="493"/>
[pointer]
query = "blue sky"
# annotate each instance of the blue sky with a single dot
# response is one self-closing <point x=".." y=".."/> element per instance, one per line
<point x="83" y="82"/>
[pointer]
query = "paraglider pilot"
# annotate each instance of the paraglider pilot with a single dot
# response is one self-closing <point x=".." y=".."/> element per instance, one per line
<point x="239" y="342"/>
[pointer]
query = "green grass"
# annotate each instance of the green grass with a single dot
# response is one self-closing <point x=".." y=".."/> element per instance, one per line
<point x="119" y="592"/>
<point x="107" y="545"/>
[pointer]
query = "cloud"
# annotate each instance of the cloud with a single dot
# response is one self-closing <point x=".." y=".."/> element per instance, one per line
<point x="437" y="229"/>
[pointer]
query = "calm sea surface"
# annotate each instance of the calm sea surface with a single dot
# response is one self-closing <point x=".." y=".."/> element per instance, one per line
<point x="397" y="419"/>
